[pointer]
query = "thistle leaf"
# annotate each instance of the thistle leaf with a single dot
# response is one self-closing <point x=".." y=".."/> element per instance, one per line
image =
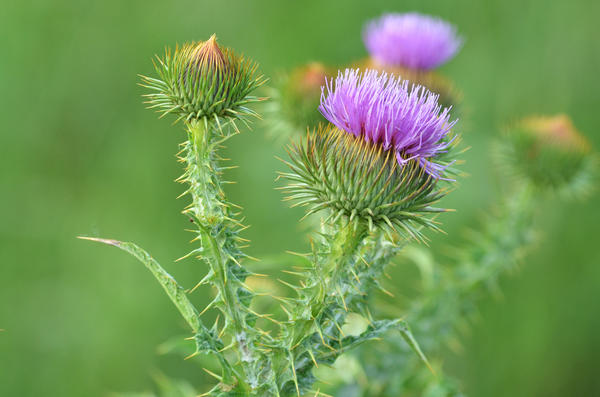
<point x="175" y="292"/>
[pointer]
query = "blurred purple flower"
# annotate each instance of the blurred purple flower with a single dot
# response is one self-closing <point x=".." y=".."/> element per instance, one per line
<point x="383" y="110"/>
<point x="411" y="40"/>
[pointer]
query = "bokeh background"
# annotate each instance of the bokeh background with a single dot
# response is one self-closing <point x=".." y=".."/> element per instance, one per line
<point x="81" y="156"/>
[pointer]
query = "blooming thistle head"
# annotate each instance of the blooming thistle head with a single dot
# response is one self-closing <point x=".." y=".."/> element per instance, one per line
<point x="203" y="81"/>
<point x="548" y="151"/>
<point x="381" y="160"/>
<point x="385" y="111"/>
<point x="411" y="40"/>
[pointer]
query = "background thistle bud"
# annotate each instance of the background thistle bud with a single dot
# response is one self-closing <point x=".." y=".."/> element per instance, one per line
<point x="203" y="81"/>
<point x="295" y="103"/>
<point x="549" y="152"/>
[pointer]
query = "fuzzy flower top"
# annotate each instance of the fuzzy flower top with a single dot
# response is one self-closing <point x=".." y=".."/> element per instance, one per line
<point x="411" y="40"/>
<point x="385" y="111"/>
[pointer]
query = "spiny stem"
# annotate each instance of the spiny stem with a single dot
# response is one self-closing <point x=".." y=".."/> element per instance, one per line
<point x="217" y="231"/>
<point x="329" y="265"/>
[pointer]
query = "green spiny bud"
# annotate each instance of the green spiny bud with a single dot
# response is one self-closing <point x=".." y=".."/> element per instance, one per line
<point x="354" y="178"/>
<point x="548" y="151"/>
<point x="203" y="81"/>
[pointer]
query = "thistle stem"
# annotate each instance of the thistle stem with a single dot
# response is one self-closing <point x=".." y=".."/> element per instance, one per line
<point x="331" y="265"/>
<point x="217" y="231"/>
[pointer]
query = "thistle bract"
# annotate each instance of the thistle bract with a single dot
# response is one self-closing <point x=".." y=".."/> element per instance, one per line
<point x="411" y="40"/>
<point x="202" y="80"/>
<point x="384" y="110"/>
<point x="359" y="180"/>
<point x="548" y="151"/>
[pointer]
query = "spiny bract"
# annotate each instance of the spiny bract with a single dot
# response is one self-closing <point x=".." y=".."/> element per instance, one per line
<point x="203" y="81"/>
<point x="360" y="180"/>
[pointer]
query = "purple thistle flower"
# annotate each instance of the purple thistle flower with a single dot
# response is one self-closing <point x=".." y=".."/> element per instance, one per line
<point x="411" y="40"/>
<point x="383" y="110"/>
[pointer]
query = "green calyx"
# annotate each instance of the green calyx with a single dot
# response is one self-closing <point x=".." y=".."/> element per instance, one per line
<point x="355" y="179"/>
<point x="202" y="80"/>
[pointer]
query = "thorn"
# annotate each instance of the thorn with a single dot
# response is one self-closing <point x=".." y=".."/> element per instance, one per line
<point x="213" y="374"/>
<point x="227" y="347"/>
<point x="285" y="310"/>
<point x="295" y="377"/>
<point x="339" y="291"/>
<point x="323" y="340"/>
<point x="385" y="291"/>
<point x="313" y="358"/>
<point x="364" y="261"/>
<point x="297" y="254"/>
<point x="194" y="354"/>
<point x="355" y="275"/>
<point x="295" y="288"/>
<point x="293" y="273"/>
<point x="206" y="308"/>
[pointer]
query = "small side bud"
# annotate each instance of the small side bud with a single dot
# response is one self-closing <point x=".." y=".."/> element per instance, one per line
<point x="548" y="151"/>
<point x="295" y="103"/>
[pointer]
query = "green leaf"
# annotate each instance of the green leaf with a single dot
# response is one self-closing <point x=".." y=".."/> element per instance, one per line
<point x="175" y="292"/>
<point x="374" y="331"/>
<point x="412" y="342"/>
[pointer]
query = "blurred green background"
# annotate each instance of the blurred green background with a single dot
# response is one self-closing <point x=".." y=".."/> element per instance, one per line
<point x="81" y="156"/>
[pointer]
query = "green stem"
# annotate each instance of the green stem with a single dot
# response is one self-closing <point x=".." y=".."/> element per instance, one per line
<point x="329" y="267"/>
<point x="209" y="212"/>
<point x="218" y="233"/>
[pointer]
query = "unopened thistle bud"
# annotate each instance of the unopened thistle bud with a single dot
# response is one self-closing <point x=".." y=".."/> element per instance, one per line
<point x="548" y="151"/>
<point x="203" y="81"/>
<point x="382" y="160"/>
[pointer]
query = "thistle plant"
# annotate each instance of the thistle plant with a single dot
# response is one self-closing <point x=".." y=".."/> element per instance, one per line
<point x="374" y="173"/>
<point x="209" y="88"/>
